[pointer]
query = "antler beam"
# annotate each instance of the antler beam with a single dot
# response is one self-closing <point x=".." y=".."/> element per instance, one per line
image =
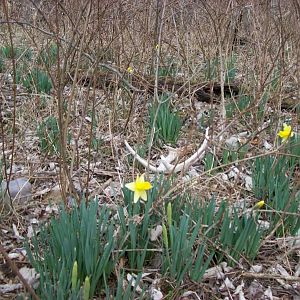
<point x="165" y="165"/>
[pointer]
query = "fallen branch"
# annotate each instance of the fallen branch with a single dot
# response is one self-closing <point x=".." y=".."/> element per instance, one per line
<point x="270" y="276"/>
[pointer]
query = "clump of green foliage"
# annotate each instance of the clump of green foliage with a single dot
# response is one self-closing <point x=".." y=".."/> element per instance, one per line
<point x="192" y="240"/>
<point x="212" y="68"/>
<point x="9" y="52"/>
<point x="38" y="81"/>
<point x="83" y="236"/>
<point x="48" y="56"/>
<point x="272" y="179"/>
<point x="239" y="105"/>
<point x="167" y="123"/>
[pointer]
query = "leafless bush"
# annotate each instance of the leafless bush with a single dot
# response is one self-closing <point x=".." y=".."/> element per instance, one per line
<point x="96" y="37"/>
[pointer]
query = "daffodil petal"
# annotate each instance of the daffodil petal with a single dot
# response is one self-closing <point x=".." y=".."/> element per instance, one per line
<point x="137" y="196"/>
<point x="282" y="134"/>
<point x="287" y="129"/>
<point x="140" y="178"/>
<point x="131" y="186"/>
<point x="143" y="195"/>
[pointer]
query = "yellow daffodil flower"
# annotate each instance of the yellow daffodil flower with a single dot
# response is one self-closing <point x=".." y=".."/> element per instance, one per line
<point x="259" y="204"/>
<point x="286" y="132"/>
<point x="130" y="70"/>
<point x="139" y="187"/>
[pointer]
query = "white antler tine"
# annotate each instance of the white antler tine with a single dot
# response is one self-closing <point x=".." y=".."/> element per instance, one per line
<point x="172" y="155"/>
<point x="199" y="154"/>
<point x="165" y="166"/>
<point x="141" y="160"/>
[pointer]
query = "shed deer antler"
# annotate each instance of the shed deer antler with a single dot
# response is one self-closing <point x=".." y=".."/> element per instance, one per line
<point x="165" y="165"/>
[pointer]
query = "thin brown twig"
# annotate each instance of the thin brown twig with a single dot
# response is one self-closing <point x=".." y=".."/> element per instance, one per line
<point x="270" y="276"/>
<point x="18" y="274"/>
<point x="8" y="176"/>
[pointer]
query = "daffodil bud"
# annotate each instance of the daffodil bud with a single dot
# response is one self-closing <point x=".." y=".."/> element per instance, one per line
<point x="165" y="236"/>
<point x="259" y="204"/>
<point x="169" y="214"/>
<point x="74" y="275"/>
<point x="86" y="288"/>
<point x="130" y="70"/>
